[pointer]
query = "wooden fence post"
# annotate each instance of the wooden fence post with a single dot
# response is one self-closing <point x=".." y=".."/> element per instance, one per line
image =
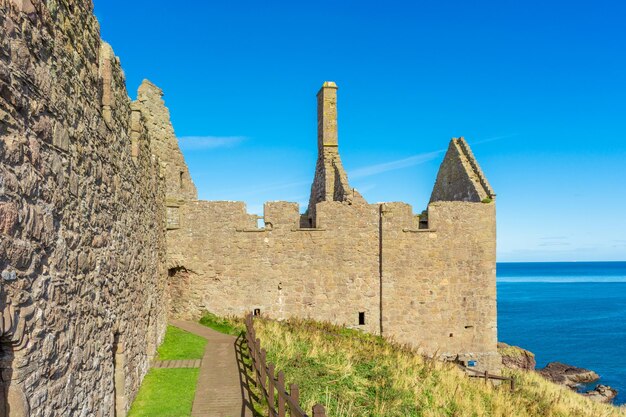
<point x="270" y="389"/>
<point x="281" y="392"/>
<point x="319" y="411"/>
<point x="263" y="365"/>
<point x="294" y="392"/>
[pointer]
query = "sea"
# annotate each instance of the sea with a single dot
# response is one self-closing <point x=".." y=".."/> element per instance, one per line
<point x="570" y="312"/>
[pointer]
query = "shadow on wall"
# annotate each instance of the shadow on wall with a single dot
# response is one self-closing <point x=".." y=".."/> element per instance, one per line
<point x="6" y="373"/>
<point x="13" y="402"/>
<point x="179" y="282"/>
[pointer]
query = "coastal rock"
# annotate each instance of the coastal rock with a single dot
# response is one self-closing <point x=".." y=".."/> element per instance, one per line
<point x="514" y="357"/>
<point x="601" y="393"/>
<point x="568" y="375"/>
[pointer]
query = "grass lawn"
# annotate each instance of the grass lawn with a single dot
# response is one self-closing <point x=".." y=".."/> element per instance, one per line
<point x="179" y="344"/>
<point x="232" y="326"/>
<point x="166" y="393"/>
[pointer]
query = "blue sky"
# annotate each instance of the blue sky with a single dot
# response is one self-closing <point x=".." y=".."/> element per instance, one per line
<point x="537" y="88"/>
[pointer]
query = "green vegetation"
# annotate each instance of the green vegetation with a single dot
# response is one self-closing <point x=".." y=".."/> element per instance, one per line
<point x="166" y="393"/>
<point x="169" y="392"/>
<point x="486" y="200"/>
<point x="356" y="374"/>
<point x="179" y="344"/>
<point x="232" y="326"/>
<point x="512" y="351"/>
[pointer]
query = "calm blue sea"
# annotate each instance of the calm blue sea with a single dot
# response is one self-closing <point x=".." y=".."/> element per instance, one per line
<point x="571" y="312"/>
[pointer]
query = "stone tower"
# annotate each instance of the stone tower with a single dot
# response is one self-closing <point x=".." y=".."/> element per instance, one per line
<point x="331" y="181"/>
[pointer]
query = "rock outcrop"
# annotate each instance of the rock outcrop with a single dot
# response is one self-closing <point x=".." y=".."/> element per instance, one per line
<point x="601" y="393"/>
<point x="514" y="357"/>
<point x="568" y="375"/>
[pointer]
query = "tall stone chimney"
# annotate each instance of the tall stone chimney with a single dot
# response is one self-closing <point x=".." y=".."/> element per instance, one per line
<point x="331" y="180"/>
<point x="327" y="116"/>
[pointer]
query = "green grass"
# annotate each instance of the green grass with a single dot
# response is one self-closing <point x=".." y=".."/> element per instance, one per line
<point x="230" y="326"/>
<point x="513" y="351"/>
<point x="166" y="393"/>
<point x="179" y="344"/>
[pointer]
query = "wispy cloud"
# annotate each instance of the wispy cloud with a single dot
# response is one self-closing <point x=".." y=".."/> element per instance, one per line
<point x="273" y="187"/>
<point x="365" y="188"/>
<point x="494" y="138"/>
<point x="547" y="241"/>
<point x="418" y="159"/>
<point x="553" y="243"/>
<point x="414" y="160"/>
<point x="195" y="143"/>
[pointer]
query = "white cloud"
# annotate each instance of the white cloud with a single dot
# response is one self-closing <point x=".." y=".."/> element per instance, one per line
<point x="195" y="143"/>
<point x="418" y="159"/>
<point x="494" y="138"/>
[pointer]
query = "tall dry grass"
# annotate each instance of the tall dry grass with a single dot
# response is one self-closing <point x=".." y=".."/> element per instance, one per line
<point x="355" y="375"/>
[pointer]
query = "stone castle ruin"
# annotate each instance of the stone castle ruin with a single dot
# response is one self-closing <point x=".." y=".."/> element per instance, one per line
<point x="102" y="237"/>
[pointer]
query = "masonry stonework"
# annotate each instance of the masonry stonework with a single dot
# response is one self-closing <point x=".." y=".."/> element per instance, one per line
<point x="83" y="301"/>
<point x="428" y="281"/>
<point x="102" y="235"/>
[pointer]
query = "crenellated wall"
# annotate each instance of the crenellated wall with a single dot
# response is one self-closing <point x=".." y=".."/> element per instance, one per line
<point x="432" y="288"/>
<point x="83" y="298"/>
<point x="233" y="267"/>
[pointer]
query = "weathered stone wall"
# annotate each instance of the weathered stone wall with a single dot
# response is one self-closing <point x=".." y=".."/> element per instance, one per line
<point x="82" y="294"/>
<point x="460" y="178"/>
<point x="232" y="267"/>
<point x="429" y="281"/>
<point x="178" y="182"/>
<point x="439" y="286"/>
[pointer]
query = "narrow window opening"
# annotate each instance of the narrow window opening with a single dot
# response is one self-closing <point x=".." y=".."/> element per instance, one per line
<point x="451" y="334"/>
<point x="260" y="223"/>
<point x="361" y="318"/>
<point x="181" y="180"/>
<point x="469" y="327"/>
<point x="257" y="312"/>
<point x="310" y="223"/>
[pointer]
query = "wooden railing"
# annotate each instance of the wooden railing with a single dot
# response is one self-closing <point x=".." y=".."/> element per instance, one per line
<point x="272" y="385"/>
<point x="489" y="376"/>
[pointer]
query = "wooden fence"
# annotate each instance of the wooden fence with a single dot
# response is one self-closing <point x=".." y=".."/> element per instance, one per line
<point x="272" y="385"/>
<point x="489" y="376"/>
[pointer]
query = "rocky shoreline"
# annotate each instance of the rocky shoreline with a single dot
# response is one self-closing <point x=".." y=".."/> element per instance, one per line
<point x="514" y="357"/>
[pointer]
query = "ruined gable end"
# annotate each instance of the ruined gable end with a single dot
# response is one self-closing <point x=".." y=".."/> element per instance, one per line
<point x="460" y="177"/>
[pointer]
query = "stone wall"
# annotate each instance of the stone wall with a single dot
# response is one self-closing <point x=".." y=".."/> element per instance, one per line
<point x="428" y="280"/>
<point x="232" y="267"/>
<point x="82" y="294"/>
<point x="178" y="182"/>
<point x="439" y="283"/>
<point x="431" y="288"/>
